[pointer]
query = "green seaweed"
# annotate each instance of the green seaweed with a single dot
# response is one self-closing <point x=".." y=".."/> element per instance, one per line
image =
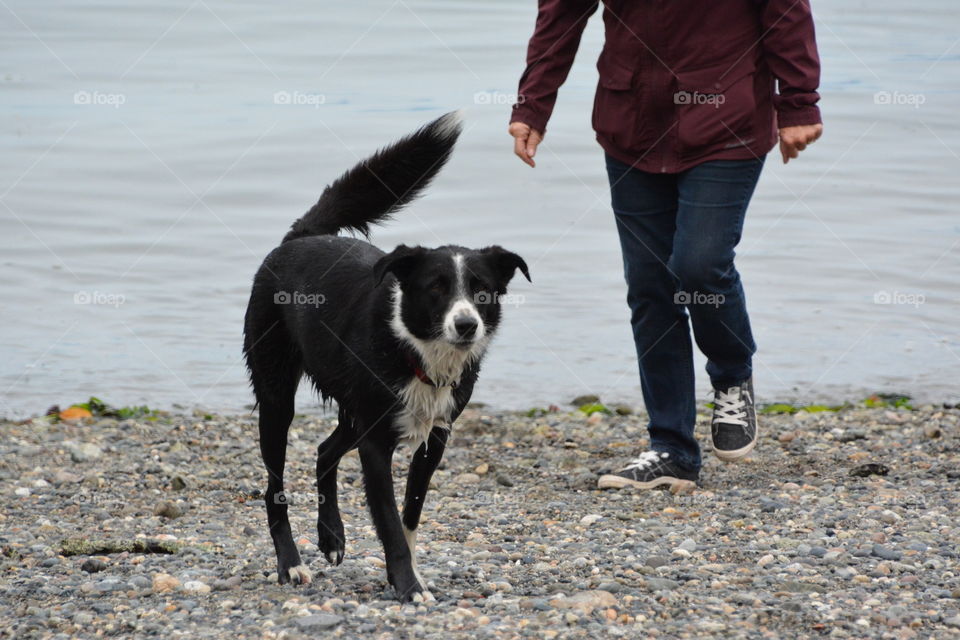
<point x="101" y="409"/>
<point x="788" y="408"/>
<point x="888" y="401"/>
<point x="595" y="407"/>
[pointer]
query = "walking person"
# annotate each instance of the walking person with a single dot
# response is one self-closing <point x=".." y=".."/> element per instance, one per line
<point x="691" y="98"/>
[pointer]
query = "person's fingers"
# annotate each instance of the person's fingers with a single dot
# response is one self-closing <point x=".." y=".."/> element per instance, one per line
<point x="521" y="141"/>
<point x="533" y="141"/>
<point x="783" y="152"/>
<point x="520" y="149"/>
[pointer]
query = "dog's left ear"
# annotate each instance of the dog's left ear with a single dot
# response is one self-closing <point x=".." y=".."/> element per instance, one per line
<point x="505" y="263"/>
<point x="399" y="262"/>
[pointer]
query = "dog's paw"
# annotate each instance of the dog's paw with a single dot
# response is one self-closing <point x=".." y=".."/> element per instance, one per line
<point x="331" y="545"/>
<point x="334" y="557"/>
<point x="411" y="591"/>
<point x="423" y="596"/>
<point x="299" y="574"/>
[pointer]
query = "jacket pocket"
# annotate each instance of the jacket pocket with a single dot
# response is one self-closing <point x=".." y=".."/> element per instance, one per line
<point x="716" y="108"/>
<point x="616" y="106"/>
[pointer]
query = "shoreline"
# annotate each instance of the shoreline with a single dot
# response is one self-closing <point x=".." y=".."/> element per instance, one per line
<point x="841" y="523"/>
<point x="94" y="407"/>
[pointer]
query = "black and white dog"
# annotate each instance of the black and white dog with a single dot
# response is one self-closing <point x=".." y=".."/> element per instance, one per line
<point x="395" y="339"/>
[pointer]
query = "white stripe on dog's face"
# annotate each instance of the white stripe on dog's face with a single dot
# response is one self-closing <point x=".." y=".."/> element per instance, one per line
<point x="462" y="306"/>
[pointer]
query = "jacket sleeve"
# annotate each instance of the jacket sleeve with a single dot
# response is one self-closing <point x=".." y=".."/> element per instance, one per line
<point x="790" y="49"/>
<point x="550" y="54"/>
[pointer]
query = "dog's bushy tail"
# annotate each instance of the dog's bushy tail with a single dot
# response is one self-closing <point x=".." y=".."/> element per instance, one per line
<point x="383" y="183"/>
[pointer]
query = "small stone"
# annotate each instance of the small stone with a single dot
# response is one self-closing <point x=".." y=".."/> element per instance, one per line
<point x="318" y="621"/>
<point x="832" y="556"/>
<point x="84" y="452"/>
<point x="766" y="561"/>
<point x="588" y="398"/>
<point x="467" y="478"/>
<point x="869" y="469"/>
<point x="886" y="553"/>
<point x="140" y="582"/>
<point x="769" y="506"/>
<point x="787" y="437"/>
<point x="655" y="562"/>
<point x="623" y="410"/>
<point x="178" y="483"/>
<point x="93" y="565"/>
<point x="662" y="584"/>
<point x="164" y="582"/>
<point x="586" y="601"/>
<point x="504" y="481"/>
<point x="932" y="431"/>
<point x="590" y="519"/>
<point x="688" y="545"/>
<point x="65" y="477"/>
<point x="953" y="622"/>
<point x="482" y="469"/>
<point x="889" y="517"/>
<point x="168" y="510"/>
<point x="21" y="491"/>
<point x="195" y="586"/>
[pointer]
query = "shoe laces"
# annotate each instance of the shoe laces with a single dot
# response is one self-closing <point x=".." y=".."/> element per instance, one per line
<point x="646" y="460"/>
<point x="730" y="407"/>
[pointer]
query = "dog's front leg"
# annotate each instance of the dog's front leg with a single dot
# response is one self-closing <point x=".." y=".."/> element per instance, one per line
<point x="422" y="465"/>
<point x="376" y="457"/>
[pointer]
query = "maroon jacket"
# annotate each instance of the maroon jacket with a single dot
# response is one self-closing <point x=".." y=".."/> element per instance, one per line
<point x="681" y="81"/>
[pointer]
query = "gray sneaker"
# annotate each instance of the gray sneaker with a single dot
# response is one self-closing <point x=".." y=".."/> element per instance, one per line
<point x="652" y="469"/>
<point x="734" y="425"/>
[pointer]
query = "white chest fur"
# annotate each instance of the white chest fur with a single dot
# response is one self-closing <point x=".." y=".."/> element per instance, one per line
<point x="424" y="407"/>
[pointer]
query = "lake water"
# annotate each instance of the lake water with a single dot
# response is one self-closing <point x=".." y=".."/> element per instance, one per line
<point x="148" y="164"/>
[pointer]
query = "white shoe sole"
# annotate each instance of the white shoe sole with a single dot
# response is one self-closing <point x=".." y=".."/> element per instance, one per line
<point x="737" y="454"/>
<point x="676" y="485"/>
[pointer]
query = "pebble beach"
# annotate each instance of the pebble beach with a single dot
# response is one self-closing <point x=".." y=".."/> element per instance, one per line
<point x="841" y="524"/>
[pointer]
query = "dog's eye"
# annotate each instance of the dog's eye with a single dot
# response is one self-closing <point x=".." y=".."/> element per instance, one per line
<point x="476" y="284"/>
<point x="438" y="287"/>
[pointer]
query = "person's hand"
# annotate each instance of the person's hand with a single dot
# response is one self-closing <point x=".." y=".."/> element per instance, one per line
<point x="793" y="140"/>
<point x="525" y="141"/>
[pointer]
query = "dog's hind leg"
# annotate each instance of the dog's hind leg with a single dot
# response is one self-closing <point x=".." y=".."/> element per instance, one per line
<point x="376" y="456"/>
<point x="422" y="465"/>
<point x="329" y="523"/>
<point x="275" y="420"/>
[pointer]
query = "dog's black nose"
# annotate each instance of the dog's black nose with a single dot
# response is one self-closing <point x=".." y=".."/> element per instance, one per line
<point x="465" y="326"/>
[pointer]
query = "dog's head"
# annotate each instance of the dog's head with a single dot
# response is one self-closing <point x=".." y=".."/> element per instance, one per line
<point x="450" y="294"/>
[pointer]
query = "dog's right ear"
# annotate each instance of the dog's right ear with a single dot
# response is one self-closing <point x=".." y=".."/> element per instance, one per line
<point x="400" y="262"/>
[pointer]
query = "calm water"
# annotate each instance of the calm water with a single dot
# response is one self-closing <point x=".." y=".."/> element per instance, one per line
<point x="147" y="167"/>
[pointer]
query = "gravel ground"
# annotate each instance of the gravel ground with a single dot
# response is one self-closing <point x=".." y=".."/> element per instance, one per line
<point x="516" y="541"/>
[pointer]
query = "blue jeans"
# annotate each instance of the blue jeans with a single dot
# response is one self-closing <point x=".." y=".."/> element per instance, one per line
<point x="677" y="234"/>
